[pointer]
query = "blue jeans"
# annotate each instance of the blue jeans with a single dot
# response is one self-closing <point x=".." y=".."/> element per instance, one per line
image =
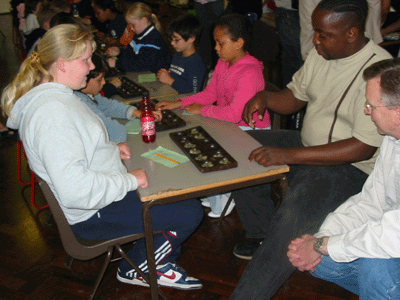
<point x="370" y="278"/>
<point x="120" y="218"/>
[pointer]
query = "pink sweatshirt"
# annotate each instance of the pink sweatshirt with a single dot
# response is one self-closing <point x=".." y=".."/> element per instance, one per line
<point x="231" y="88"/>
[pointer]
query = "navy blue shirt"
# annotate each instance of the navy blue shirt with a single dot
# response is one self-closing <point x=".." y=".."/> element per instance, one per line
<point x="147" y="52"/>
<point x="188" y="73"/>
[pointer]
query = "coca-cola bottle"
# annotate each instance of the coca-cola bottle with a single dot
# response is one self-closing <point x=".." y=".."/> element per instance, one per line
<point x="147" y="119"/>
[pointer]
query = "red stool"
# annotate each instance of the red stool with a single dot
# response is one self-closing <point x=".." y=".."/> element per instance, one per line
<point x="20" y="154"/>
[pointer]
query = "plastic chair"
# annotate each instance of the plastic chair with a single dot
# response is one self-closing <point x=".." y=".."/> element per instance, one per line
<point x="83" y="249"/>
<point x="21" y="154"/>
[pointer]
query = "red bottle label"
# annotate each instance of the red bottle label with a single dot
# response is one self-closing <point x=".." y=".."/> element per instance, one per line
<point x="148" y="126"/>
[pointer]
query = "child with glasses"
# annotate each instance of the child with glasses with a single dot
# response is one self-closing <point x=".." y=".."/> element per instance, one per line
<point x="187" y="70"/>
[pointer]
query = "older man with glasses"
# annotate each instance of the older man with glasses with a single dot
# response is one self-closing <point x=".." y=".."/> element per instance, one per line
<point x="358" y="245"/>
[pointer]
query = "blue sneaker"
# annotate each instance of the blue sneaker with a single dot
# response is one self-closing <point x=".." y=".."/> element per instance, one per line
<point x="168" y="275"/>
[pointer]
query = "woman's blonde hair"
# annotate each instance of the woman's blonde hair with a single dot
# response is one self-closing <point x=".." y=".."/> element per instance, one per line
<point x="67" y="40"/>
<point x="138" y="10"/>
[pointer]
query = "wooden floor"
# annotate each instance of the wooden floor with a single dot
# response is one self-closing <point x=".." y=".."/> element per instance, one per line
<point x="32" y="257"/>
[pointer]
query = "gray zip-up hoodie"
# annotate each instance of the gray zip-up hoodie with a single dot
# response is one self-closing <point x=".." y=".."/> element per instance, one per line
<point x="67" y="145"/>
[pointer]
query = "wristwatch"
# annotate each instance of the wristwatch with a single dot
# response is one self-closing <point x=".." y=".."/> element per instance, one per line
<point x="319" y="244"/>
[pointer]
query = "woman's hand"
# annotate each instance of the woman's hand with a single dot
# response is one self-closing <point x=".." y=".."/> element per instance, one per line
<point x="141" y="177"/>
<point x="124" y="151"/>
<point x="168" y="105"/>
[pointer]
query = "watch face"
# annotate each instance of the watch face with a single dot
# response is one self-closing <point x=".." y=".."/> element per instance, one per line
<point x="318" y="245"/>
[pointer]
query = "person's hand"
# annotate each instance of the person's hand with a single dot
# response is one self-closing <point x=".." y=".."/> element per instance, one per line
<point x="194" y="109"/>
<point x="302" y="255"/>
<point x="86" y="20"/>
<point x="164" y="76"/>
<point x="100" y="34"/>
<point x="124" y="151"/>
<point x="256" y="104"/>
<point x="113" y="51"/>
<point x="110" y="40"/>
<point x="116" y="82"/>
<point x="163" y="105"/>
<point x="271" y="156"/>
<point x="157" y="115"/>
<point x="111" y="62"/>
<point x="141" y="177"/>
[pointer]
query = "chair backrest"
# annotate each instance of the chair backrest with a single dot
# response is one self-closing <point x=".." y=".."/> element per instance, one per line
<point x="77" y="248"/>
<point x="276" y="120"/>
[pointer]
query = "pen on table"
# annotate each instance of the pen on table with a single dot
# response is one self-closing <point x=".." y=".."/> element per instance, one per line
<point x="167" y="158"/>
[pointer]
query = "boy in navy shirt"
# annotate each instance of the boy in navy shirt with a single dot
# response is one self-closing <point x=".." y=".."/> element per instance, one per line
<point x="187" y="70"/>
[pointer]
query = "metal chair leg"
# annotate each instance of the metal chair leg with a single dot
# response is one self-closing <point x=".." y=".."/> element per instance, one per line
<point x="225" y="209"/>
<point x="102" y="271"/>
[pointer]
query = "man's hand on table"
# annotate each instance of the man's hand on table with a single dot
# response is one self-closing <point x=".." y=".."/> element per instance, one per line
<point x="124" y="151"/>
<point x="272" y="156"/>
<point x="256" y="104"/>
<point x="141" y="177"/>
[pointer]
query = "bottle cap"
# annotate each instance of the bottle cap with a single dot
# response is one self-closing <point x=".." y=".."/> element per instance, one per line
<point x="145" y="94"/>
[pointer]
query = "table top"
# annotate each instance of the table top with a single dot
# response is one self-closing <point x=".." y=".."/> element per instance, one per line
<point x="186" y="178"/>
<point x="156" y="89"/>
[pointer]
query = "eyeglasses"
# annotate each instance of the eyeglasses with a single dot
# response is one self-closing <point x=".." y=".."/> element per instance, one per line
<point x="175" y="40"/>
<point x="369" y="106"/>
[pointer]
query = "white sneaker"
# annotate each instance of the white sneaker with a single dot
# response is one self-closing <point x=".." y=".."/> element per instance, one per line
<point x="170" y="275"/>
<point x="205" y="203"/>
<point x="228" y="211"/>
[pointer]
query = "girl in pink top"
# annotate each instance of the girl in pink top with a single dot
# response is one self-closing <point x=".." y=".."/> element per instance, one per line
<point x="237" y="77"/>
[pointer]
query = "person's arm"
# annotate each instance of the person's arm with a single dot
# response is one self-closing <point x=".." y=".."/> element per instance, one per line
<point x="206" y="97"/>
<point x="245" y="87"/>
<point x="306" y="9"/>
<point x="385" y="9"/>
<point x="113" y="108"/>
<point x="149" y="58"/>
<point x="337" y="153"/>
<point x="62" y="153"/>
<point x="282" y="102"/>
<point x="391" y="28"/>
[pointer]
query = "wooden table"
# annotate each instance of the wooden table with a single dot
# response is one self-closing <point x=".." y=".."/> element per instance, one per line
<point x="185" y="181"/>
<point x="156" y="89"/>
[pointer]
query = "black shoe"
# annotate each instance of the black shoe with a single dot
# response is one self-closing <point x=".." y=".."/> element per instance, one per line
<point x="246" y="249"/>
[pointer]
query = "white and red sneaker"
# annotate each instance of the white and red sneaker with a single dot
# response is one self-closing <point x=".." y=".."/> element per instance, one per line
<point x="168" y="275"/>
